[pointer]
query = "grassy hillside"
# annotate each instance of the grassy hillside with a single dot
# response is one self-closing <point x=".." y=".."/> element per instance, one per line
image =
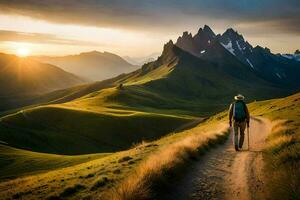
<point x="92" y="179"/>
<point x="143" y="164"/>
<point x="21" y="79"/>
<point x="283" y="150"/>
<point x="17" y="162"/>
<point x="69" y="130"/>
<point x="179" y="81"/>
<point x="102" y="117"/>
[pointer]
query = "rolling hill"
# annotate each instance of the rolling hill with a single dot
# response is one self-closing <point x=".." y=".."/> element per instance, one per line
<point x="150" y="104"/>
<point x="178" y="80"/>
<point x="17" y="162"/>
<point x="51" y="129"/>
<point x="21" y="79"/>
<point x="94" y="65"/>
<point x="111" y="115"/>
<point x="171" y="91"/>
<point x="94" y="178"/>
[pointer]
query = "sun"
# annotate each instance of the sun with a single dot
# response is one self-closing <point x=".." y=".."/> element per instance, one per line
<point x="23" y="52"/>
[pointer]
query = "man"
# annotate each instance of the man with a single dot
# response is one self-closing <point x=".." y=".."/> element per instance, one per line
<point x="238" y="112"/>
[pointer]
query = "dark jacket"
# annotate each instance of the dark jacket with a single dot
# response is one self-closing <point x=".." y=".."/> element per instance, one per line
<point x="231" y="112"/>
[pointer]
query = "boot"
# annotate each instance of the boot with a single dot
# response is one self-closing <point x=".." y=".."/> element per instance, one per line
<point x="236" y="147"/>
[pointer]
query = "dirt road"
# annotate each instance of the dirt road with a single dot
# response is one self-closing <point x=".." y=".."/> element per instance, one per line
<point x="224" y="173"/>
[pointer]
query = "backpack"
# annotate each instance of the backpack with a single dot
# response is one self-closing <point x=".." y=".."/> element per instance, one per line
<point x="239" y="111"/>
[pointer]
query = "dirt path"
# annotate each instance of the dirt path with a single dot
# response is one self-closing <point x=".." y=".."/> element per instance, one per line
<point x="224" y="173"/>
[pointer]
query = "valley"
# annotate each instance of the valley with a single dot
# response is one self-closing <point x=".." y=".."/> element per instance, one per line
<point x="97" y="65"/>
<point x="126" y="137"/>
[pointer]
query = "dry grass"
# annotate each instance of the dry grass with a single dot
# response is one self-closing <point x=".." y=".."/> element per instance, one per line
<point x="277" y="126"/>
<point x="282" y="152"/>
<point x="154" y="171"/>
<point x="139" y="169"/>
<point x="95" y="176"/>
<point x="283" y="163"/>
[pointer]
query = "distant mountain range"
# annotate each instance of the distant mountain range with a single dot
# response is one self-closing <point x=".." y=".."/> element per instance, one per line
<point x="23" y="78"/>
<point x="295" y="56"/>
<point x="205" y="67"/>
<point x="202" y="73"/>
<point x="94" y="65"/>
<point x="201" y="67"/>
<point x="142" y="60"/>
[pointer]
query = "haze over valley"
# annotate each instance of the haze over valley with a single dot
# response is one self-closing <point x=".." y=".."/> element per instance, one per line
<point x="88" y="111"/>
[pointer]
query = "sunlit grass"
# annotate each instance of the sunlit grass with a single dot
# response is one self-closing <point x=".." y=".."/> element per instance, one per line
<point x="83" y="130"/>
<point x="283" y="146"/>
<point x="93" y="179"/>
<point x="154" y="171"/>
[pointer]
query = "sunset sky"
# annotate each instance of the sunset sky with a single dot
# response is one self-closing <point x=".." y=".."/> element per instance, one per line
<point x="139" y="28"/>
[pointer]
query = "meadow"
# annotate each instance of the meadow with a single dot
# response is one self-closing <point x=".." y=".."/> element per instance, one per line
<point x="282" y="151"/>
<point x="96" y="178"/>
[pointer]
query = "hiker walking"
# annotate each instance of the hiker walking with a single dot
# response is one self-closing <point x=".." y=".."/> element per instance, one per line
<point x="238" y="112"/>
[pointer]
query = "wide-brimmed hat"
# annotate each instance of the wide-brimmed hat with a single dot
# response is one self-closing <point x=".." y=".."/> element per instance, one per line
<point x="239" y="97"/>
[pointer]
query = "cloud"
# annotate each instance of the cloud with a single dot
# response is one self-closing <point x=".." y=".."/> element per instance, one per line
<point x="14" y="36"/>
<point x="281" y="15"/>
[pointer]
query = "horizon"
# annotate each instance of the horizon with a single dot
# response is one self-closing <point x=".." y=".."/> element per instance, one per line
<point x="174" y="39"/>
<point x="127" y="31"/>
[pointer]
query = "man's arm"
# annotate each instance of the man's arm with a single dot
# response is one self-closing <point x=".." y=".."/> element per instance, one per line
<point x="230" y="113"/>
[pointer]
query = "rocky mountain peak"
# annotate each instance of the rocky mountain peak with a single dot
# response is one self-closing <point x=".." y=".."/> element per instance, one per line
<point x="208" y="31"/>
<point x="267" y="50"/>
<point x="232" y="35"/>
<point x="186" y="37"/>
<point x="168" y="50"/>
<point x="168" y="45"/>
<point x="186" y="34"/>
<point x="230" y="31"/>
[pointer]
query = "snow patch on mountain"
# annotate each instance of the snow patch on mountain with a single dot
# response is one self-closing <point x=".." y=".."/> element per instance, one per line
<point x="237" y="43"/>
<point x="278" y="75"/>
<point x="295" y="57"/>
<point x="229" y="47"/>
<point x="248" y="61"/>
<point x="288" y="56"/>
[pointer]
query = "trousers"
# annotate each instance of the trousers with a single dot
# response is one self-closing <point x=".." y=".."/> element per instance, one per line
<point x="239" y="129"/>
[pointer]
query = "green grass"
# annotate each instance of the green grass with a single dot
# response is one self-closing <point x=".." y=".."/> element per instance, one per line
<point x="62" y="129"/>
<point x="157" y="99"/>
<point x="17" y="162"/>
<point x="283" y="145"/>
<point x="94" y="177"/>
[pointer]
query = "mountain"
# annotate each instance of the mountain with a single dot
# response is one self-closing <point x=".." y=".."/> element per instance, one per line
<point x="92" y="65"/>
<point x="183" y="78"/>
<point x="176" y="88"/>
<point x="295" y="56"/>
<point x="112" y="115"/>
<point x="273" y="68"/>
<point x="142" y="60"/>
<point x="23" y="78"/>
<point x="196" y="44"/>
